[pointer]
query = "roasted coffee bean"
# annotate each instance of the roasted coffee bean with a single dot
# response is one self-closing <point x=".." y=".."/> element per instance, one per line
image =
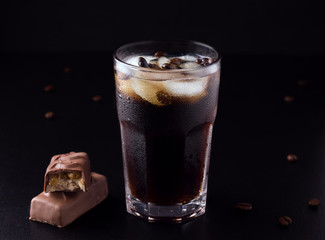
<point x="143" y="62"/>
<point x="97" y="98"/>
<point x="168" y="66"/>
<point x="49" y="88"/>
<point x="205" y="61"/>
<point x="292" y="157"/>
<point x="314" y="202"/>
<point x="244" y="206"/>
<point x="160" y="54"/>
<point x="152" y="65"/>
<point x="198" y="60"/>
<point x="211" y="60"/>
<point x="49" y="115"/>
<point x="176" y="61"/>
<point x="288" y="99"/>
<point x="163" y="97"/>
<point x="285" y="221"/>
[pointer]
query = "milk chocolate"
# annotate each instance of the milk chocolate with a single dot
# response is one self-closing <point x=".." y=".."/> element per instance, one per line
<point x="68" y="172"/>
<point x="62" y="208"/>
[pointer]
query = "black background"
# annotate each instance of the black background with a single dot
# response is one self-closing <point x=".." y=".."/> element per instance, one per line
<point x="266" y="46"/>
<point x="234" y="26"/>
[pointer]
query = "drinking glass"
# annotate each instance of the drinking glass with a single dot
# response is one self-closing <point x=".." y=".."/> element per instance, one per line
<point x="166" y="119"/>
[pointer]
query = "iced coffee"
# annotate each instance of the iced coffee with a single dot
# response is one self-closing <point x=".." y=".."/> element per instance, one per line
<point x="167" y="94"/>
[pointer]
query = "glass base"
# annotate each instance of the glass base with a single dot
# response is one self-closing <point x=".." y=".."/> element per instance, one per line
<point x="177" y="213"/>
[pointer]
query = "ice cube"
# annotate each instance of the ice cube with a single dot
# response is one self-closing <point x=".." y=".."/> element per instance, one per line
<point x="189" y="65"/>
<point x="162" y="60"/>
<point x="187" y="87"/>
<point x="133" y="60"/>
<point x="124" y="87"/>
<point x="148" y="90"/>
<point x="189" y="57"/>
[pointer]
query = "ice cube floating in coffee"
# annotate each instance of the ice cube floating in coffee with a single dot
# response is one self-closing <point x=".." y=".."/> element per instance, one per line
<point x="151" y="84"/>
<point x="70" y="190"/>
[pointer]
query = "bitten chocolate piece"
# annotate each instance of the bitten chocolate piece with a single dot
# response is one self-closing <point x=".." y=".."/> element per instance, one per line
<point x="62" y="208"/>
<point x="68" y="173"/>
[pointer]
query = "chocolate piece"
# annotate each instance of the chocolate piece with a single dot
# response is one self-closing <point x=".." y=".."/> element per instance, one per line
<point x="68" y="172"/>
<point x="62" y="208"/>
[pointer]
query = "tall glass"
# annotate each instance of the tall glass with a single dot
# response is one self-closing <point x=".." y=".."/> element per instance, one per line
<point x="166" y="119"/>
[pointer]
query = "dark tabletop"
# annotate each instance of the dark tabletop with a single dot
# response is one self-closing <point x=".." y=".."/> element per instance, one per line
<point x="254" y="132"/>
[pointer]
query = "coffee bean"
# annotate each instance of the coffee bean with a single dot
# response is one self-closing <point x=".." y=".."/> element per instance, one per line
<point x="67" y="70"/>
<point x="97" y="98"/>
<point x="314" y="202"/>
<point x="152" y="65"/>
<point x="49" y="88"/>
<point x="198" y="60"/>
<point x="168" y="66"/>
<point x="292" y="157"/>
<point x="160" y="54"/>
<point x="49" y="115"/>
<point x="211" y="60"/>
<point x="205" y="61"/>
<point x="288" y="99"/>
<point x="244" y="206"/>
<point x="285" y="221"/>
<point x="143" y="62"/>
<point x="176" y="61"/>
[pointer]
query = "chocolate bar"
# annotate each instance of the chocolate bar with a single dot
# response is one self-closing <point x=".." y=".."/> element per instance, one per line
<point x="68" y="172"/>
<point x="62" y="208"/>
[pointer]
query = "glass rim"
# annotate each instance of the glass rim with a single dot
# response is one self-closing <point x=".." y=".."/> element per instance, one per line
<point x="161" y="71"/>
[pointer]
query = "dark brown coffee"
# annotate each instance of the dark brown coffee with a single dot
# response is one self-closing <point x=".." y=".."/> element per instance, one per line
<point x="166" y="148"/>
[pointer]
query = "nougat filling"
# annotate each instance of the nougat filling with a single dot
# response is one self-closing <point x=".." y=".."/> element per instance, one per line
<point x="65" y="181"/>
